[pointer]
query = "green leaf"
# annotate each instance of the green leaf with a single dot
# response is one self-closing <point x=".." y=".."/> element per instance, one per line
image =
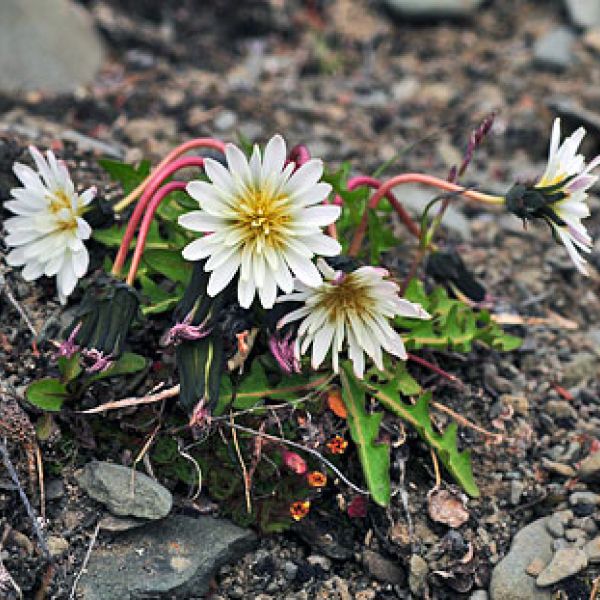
<point x="112" y="236"/>
<point x="126" y="365"/>
<point x="47" y="394"/>
<point x="69" y="367"/>
<point x="456" y="462"/>
<point x="380" y="237"/>
<point x="169" y="263"/>
<point x="364" y="429"/>
<point x="406" y="384"/>
<point x="252" y="389"/>
<point x="127" y="175"/>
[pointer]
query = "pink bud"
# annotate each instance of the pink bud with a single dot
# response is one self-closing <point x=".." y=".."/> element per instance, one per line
<point x="294" y="462"/>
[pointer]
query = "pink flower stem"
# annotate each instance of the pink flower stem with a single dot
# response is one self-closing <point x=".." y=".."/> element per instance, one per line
<point x="156" y="181"/>
<point x="157" y="198"/>
<point x="173" y="155"/>
<point x="400" y="210"/>
<point x="435" y="369"/>
<point x="414" y="178"/>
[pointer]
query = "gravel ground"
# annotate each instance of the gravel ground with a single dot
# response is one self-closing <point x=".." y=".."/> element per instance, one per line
<point x="364" y="90"/>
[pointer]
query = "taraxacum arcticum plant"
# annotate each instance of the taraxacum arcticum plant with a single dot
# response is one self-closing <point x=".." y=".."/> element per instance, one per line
<point x="261" y="263"/>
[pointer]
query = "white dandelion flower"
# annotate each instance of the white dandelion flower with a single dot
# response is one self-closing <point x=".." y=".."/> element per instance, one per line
<point x="355" y="308"/>
<point x="48" y="231"/>
<point x="568" y="178"/>
<point x="263" y="219"/>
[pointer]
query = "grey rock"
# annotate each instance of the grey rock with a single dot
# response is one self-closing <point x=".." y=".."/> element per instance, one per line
<point x="589" y="468"/>
<point x="55" y="489"/>
<point x="584" y="13"/>
<point x="290" y="569"/>
<point x="516" y="491"/>
<point x="564" y="516"/>
<point x="560" y="409"/>
<point x="176" y="557"/>
<point x="225" y="120"/>
<point x="479" y="595"/>
<point x="112" y="485"/>
<point x="509" y="578"/>
<point x="119" y="524"/>
<point x="56" y="50"/>
<point x="555" y="527"/>
<point x="560" y="543"/>
<point x="318" y="560"/>
<point x="584" y="498"/>
<point x="382" y="569"/>
<point x="425" y="9"/>
<point x="417" y="578"/>
<point x="554" y="49"/>
<point x="582" y="366"/>
<point x="587" y="524"/>
<point x="574" y="534"/>
<point x="566" y="562"/>
<point x="592" y="550"/>
<point x="56" y="545"/>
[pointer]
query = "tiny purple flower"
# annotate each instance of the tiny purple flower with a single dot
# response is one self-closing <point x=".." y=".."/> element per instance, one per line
<point x="186" y="331"/>
<point x="282" y="350"/>
<point x="100" y="363"/>
<point x="69" y="348"/>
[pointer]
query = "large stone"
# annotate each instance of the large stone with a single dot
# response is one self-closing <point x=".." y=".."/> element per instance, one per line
<point x="584" y="13"/>
<point x="51" y="46"/>
<point x="566" y="562"/>
<point x="124" y="492"/>
<point x="581" y="367"/>
<point x="510" y="580"/>
<point x="173" y="558"/>
<point x="554" y="50"/>
<point x="426" y="9"/>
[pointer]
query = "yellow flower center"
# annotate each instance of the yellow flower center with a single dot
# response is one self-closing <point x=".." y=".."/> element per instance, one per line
<point x="350" y="294"/>
<point x="262" y="218"/>
<point x="59" y="202"/>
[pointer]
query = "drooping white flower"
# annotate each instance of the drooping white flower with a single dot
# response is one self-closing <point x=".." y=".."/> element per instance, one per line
<point x="354" y="308"/>
<point x="569" y="178"/>
<point x="261" y="219"/>
<point x="48" y="232"/>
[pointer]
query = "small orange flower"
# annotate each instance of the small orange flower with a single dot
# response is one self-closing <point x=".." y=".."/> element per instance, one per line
<point x="337" y="445"/>
<point x="316" y="479"/>
<point x="299" y="509"/>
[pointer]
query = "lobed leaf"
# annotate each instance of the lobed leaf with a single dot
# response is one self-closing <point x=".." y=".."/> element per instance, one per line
<point x="364" y="429"/>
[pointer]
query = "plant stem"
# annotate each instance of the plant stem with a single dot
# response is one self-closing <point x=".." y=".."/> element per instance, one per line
<point x="158" y="197"/>
<point x="376" y="183"/>
<point x="428" y="365"/>
<point x="155" y="183"/>
<point x="414" y="178"/>
<point x="174" y="154"/>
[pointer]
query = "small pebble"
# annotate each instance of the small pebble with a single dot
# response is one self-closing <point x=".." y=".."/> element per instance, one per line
<point x="590" y="498"/>
<point x="558" y="468"/>
<point x="290" y="570"/>
<point x="592" y="550"/>
<point x="516" y="491"/>
<point x="555" y="527"/>
<point x="574" y="534"/>
<point x="318" y="560"/>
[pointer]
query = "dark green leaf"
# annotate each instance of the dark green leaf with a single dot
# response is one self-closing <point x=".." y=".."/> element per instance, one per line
<point x="169" y="263"/>
<point x="48" y="394"/>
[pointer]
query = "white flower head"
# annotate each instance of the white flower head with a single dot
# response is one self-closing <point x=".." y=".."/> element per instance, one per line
<point x="351" y="307"/>
<point x="48" y="232"/>
<point x="261" y="219"/>
<point x="569" y="178"/>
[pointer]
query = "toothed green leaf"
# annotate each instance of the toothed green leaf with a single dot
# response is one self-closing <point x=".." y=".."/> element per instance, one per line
<point x="458" y="463"/>
<point x="364" y="429"/>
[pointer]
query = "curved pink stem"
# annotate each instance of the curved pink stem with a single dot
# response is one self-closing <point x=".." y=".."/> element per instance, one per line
<point x="174" y="154"/>
<point x="153" y="185"/>
<point x="387" y="186"/>
<point x="158" y="197"/>
<point x="400" y="210"/>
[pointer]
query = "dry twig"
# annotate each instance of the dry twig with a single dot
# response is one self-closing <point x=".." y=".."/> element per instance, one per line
<point x="86" y="560"/>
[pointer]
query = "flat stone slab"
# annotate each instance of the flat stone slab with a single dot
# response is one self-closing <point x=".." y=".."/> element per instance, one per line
<point x="173" y="558"/>
<point x="124" y="492"/>
<point x="51" y="46"/>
